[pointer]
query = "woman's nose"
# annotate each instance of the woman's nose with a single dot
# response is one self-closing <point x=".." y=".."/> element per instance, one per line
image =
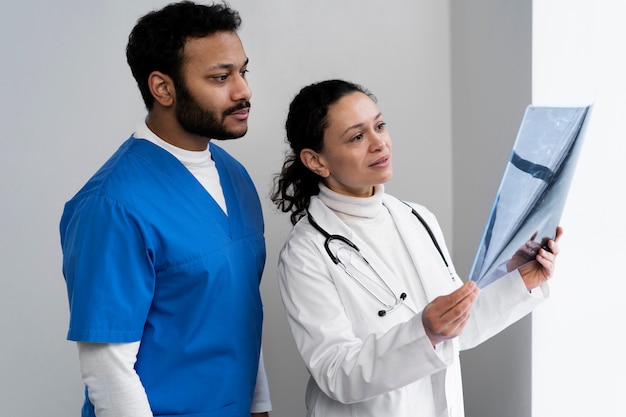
<point x="379" y="141"/>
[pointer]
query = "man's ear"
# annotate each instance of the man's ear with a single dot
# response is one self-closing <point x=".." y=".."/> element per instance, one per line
<point x="314" y="161"/>
<point x="162" y="88"/>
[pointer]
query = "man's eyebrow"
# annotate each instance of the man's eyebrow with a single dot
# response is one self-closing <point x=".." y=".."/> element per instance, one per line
<point x="228" y="66"/>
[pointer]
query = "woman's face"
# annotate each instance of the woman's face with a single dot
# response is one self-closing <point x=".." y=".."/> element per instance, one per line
<point x="356" y="154"/>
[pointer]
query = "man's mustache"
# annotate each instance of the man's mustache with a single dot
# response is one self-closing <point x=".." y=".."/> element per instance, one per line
<point x="237" y="107"/>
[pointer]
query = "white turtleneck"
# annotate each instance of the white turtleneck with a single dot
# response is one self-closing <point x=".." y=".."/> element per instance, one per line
<point x="371" y="221"/>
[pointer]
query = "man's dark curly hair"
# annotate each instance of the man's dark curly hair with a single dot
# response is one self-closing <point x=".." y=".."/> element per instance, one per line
<point x="156" y="42"/>
<point x="307" y="120"/>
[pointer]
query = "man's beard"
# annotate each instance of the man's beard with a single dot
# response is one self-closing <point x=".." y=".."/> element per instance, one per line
<point x="198" y="121"/>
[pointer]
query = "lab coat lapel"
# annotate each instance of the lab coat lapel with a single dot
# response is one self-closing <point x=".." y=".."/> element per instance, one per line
<point x="430" y="267"/>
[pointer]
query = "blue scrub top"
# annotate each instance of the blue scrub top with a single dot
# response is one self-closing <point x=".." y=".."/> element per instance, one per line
<point x="149" y="255"/>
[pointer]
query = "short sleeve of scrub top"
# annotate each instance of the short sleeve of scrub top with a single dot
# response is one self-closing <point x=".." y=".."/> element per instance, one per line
<point x="111" y="300"/>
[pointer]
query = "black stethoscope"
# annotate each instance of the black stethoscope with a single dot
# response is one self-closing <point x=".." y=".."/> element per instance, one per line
<point x="388" y="308"/>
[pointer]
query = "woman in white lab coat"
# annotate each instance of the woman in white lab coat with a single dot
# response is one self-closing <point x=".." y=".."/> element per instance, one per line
<point x="375" y="306"/>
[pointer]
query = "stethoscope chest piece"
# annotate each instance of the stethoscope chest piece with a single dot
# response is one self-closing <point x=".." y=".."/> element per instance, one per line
<point x="383" y="312"/>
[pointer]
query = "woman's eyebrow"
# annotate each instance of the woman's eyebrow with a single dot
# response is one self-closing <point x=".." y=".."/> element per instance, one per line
<point x="358" y="125"/>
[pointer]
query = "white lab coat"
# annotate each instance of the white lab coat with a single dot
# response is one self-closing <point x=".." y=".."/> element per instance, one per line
<point x="365" y="365"/>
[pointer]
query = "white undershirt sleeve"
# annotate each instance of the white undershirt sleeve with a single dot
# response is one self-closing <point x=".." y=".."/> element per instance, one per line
<point x="108" y="370"/>
<point x="261" y="402"/>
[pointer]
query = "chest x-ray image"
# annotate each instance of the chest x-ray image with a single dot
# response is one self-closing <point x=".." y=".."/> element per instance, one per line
<point x="533" y="190"/>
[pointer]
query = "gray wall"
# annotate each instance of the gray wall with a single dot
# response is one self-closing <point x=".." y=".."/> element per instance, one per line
<point x="491" y="87"/>
<point x="70" y="101"/>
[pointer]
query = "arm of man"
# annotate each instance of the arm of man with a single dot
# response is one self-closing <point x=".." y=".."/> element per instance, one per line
<point x="261" y="403"/>
<point x="108" y="370"/>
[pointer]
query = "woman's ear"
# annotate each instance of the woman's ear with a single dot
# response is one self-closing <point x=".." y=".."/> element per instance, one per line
<point x="162" y="88"/>
<point x="314" y="161"/>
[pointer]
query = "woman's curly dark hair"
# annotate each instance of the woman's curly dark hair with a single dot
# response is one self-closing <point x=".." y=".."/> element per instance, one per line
<point x="306" y="122"/>
<point x="156" y="42"/>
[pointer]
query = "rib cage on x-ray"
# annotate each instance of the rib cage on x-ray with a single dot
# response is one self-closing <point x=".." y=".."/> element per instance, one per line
<point x="534" y="187"/>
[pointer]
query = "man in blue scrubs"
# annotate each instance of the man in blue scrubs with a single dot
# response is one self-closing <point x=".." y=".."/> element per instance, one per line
<point x="163" y="248"/>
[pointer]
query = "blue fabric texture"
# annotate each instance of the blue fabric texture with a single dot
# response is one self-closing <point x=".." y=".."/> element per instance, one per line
<point x="149" y="256"/>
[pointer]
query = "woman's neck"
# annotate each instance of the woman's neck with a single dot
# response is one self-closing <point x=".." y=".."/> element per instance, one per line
<point x="367" y="207"/>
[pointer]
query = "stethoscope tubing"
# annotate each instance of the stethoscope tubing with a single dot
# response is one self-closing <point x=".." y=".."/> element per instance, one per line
<point x="330" y="237"/>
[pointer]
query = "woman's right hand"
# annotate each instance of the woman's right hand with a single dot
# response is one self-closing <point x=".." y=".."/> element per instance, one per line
<point x="445" y="317"/>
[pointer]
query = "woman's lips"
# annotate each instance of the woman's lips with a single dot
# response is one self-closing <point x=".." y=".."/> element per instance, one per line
<point x="381" y="162"/>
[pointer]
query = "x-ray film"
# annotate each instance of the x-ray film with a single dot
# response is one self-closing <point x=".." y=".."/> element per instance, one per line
<point x="533" y="191"/>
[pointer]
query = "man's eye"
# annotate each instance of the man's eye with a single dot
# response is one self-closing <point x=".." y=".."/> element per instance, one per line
<point x="244" y="73"/>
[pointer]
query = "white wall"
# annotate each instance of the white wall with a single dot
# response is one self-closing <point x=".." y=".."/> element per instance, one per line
<point x="69" y="101"/>
<point x="579" y="366"/>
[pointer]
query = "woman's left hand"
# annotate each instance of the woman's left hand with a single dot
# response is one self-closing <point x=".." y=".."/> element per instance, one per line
<point x="542" y="268"/>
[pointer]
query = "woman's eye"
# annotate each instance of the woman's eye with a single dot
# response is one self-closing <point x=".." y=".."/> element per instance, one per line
<point x="357" y="137"/>
<point x="381" y="125"/>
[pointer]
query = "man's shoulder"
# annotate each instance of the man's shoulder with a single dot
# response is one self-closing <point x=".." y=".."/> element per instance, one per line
<point x="126" y="169"/>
